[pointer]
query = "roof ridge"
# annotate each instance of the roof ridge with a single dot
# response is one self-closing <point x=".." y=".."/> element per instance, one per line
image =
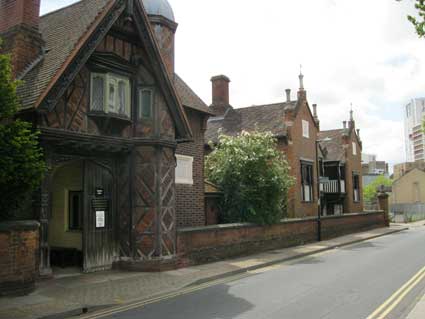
<point x="263" y="105"/>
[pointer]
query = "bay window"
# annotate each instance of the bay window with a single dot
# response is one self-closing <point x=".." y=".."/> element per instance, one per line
<point x="110" y="93"/>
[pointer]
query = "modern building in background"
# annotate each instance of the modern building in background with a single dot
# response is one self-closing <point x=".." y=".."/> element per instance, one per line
<point x="372" y="168"/>
<point x="414" y="139"/>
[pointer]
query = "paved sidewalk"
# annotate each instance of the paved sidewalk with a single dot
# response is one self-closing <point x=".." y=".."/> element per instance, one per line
<point x="419" y="311"/>
<point x="64" y="297"/>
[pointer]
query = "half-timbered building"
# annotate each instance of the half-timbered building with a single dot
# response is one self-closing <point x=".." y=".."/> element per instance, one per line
<point x="99" y="83"/>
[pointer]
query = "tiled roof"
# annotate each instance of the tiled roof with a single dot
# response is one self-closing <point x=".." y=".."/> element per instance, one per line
<point x="61" y="30"/>
<point x="261" y="118"/>
<point x="334" y="145"/>
<point x="188" y="97"/>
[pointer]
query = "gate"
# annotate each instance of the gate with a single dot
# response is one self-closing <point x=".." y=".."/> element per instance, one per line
<point x="99" y="240"/>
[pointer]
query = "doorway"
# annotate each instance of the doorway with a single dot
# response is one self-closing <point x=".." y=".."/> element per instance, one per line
<point x="81" y="233"/>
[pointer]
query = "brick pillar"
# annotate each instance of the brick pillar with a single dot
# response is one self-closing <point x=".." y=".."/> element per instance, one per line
<point x="384" y="205"/>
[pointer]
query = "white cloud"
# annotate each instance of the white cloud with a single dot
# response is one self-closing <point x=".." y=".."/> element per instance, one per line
<point x="362" y="52"/>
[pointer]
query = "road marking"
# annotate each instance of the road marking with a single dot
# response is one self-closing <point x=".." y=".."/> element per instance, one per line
<point x="397" y="297"/>
<point x="141" y="304"/>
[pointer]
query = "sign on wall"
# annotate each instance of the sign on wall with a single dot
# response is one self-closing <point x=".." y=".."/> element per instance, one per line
<point x="100" y="219"/>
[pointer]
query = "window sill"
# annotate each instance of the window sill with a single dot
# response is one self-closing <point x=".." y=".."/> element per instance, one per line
<point x="114" y="116"/>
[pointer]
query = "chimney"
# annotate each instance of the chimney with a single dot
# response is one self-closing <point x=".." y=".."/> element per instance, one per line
<point x="19" y="29"/>
<point x="302" y="94"/>
<point x="344" y="123"/>
<point x="358" y="133"/>
<point x="220" y="94"/>
<point x="288" y="95"/>
<point x="316" y="118"/>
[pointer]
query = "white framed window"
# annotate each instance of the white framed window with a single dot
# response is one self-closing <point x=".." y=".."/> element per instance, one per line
<point x="110" y="93"/>
<point x="306" y="129"/>
<point x="354" y="148"/>
<point x="184" y="169"/>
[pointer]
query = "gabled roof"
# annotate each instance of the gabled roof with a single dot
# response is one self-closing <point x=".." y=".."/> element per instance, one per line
<point x="66" y="32"/>
<point x="334" y="147"/>
<point x="188" y="97"/>
<point x="62" y="30"/>
<point x="261" y="118"/>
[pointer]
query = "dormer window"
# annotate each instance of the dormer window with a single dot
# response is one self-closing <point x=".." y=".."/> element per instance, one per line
<point x="110" y="93"/>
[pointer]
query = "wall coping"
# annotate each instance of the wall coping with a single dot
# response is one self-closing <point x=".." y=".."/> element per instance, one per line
<point x="283" y="221"/>
<point x="19" y="225"/>
<point x="365" y="213"/>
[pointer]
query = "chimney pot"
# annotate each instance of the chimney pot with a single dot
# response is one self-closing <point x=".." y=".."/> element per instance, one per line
<point x="345" y="124"/>
<point x="288" y="95"/>
<point x="315" y="110"/>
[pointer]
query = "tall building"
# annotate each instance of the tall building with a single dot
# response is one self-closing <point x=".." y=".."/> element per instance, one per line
<point x="414" y="138"/>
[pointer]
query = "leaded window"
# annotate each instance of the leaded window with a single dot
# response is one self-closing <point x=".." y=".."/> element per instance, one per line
<point x="110" y="93"/>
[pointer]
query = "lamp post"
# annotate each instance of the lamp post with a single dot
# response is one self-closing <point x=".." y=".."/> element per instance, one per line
<point x="319" y="210"/>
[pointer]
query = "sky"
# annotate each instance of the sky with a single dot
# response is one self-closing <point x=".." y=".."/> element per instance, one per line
<point x="362" y="53"/>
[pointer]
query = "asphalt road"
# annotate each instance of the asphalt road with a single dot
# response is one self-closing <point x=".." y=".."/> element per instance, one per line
<point x="345" y="283"/>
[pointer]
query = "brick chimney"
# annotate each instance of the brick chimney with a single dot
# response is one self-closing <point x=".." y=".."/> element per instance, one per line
<point x="220" y="95"/>
<point x="19" y="29"/>
<point x="316" y="117"/>
<point x="288" y="95"/>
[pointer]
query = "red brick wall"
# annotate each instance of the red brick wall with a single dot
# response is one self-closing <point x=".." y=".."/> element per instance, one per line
<point x="19" y="249"/>
<point x="190" y="206"/>
<point x="300" y="148"/>
<point x="14" y="12"/>
<point x="206" y="244"/>
<point x="353" y="164"/>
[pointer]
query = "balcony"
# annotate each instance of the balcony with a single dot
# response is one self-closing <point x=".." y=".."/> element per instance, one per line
<point x="333" y="187"/>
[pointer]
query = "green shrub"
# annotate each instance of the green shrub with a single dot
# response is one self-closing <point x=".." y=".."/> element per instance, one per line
<point x="254" y="177"/>
<point x="21" y="159"/>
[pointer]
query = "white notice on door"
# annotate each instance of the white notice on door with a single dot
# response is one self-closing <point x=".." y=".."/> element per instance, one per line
<point x="100" y="219"/>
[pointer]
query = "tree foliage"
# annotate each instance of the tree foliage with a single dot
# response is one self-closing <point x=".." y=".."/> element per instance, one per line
<point x="419" y="22"/>
<point x="370" y="191"/>
<point x="21" y="159"/>
<point x="253" y="175"/>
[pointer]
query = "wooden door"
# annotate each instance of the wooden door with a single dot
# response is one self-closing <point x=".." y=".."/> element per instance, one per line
<point x="100" y="244"/>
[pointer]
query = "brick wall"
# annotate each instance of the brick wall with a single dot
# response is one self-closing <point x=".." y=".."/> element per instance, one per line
<point x="19" y="252"/>
<point x="353" y="164"/>
<point x="190" y="198"/>
<point x="300" y="148"/>
<point x="19" y="30"/>
<point x="210" y="243"/>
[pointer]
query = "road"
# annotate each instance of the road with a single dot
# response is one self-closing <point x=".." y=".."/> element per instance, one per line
<point x="346" y="283"/>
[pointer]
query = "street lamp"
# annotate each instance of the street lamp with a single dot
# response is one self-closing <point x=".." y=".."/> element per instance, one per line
<point x="319" y="211"/>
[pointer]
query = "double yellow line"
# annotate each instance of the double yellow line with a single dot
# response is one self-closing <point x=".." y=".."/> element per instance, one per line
<point x="392" y="302"/>
<point x="140" y="304"/>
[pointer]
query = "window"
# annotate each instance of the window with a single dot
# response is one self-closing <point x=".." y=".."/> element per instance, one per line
<point x="354" y="148"/>
<point x="145" y="99"/>
<point x="307" y="181"/>
<point x="306" y="129"/>
<point x="184" y="169"/>
<point x="356" y="188"/>
<point x="110" y="93"/>
<point x="75" y="210"/>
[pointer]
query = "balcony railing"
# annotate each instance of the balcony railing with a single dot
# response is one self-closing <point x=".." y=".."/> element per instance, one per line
<point x="333" y="187"/>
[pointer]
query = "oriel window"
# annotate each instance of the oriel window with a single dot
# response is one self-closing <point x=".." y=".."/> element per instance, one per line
<point x="110" y="93"/>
